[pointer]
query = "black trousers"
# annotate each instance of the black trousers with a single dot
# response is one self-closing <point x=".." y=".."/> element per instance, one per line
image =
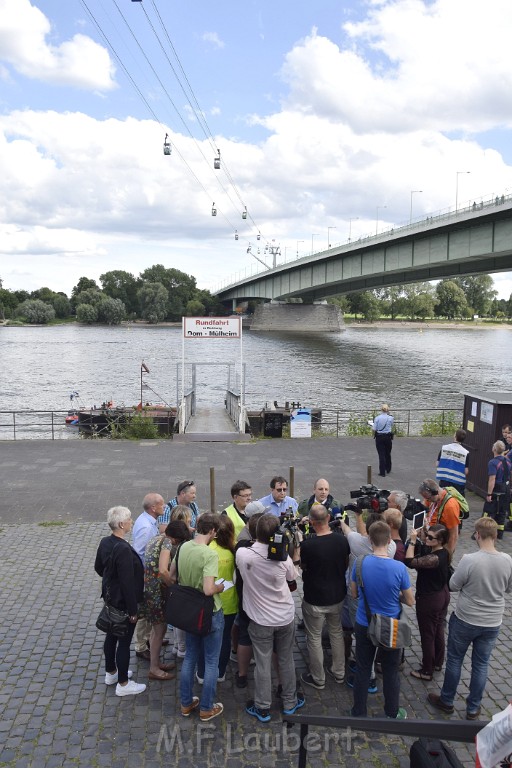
<point x="384" y="443"/>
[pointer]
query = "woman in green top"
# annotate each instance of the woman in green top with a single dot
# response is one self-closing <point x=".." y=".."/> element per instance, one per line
<point x="224" y="545"/>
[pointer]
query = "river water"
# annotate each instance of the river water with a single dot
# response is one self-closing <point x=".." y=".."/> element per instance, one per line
<point x="407" y="366"/>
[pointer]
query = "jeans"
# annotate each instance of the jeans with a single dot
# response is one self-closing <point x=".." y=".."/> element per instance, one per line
<point x="225" y="649"/>
<point x="460" y="636"/>
<point x="117" y="654"/>
<point x="263" y="640"/>
<point x="211" y="644"/>
<point x="390" y="660"/>
<point x="314" y="617"/>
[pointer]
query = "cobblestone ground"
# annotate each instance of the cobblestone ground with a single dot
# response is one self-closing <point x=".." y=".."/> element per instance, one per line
<point x="55" y="709"/>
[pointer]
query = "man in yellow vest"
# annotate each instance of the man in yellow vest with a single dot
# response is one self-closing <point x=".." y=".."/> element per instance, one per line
<point x="241" y="493"/>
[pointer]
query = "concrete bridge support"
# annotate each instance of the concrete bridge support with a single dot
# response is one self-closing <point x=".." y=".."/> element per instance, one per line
<point x="303" y="318"/>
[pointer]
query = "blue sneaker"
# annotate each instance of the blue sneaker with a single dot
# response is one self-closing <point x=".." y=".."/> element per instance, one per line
<point x="263" y="715"/>
<point x="301" y="700"/>
<point x="372" y="688"/>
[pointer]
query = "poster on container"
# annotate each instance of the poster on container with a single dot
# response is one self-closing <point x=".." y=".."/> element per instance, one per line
<point x="300" y="422"/>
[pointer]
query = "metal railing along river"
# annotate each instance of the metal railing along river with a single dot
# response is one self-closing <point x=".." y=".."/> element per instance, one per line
<point x="50" y="425"/>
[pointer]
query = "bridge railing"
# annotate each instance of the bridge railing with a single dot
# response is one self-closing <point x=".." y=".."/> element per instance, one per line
<point x="186" y="410"/>
<point x="233" y="406"/>
<point x="35" y="425"/>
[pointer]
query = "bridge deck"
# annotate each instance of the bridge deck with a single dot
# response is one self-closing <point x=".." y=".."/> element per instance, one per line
<point x="210" y="420"/>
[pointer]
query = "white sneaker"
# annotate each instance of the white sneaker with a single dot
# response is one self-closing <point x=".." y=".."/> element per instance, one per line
<point x="181" y="653"/>
<point x="130" y="689"/>
<point x="200" y="680"/>
<point x="221" y="679"/>
<point x="233" y="656"/>
<point x="111" y="679"/>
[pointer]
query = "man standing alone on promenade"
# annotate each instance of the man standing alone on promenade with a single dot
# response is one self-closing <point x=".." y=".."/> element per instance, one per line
<point x="383" y="434"/>
<point x="482" y="580"/>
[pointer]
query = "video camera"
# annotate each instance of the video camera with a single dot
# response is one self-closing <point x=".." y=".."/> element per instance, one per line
<point x="413" y="507"/>
<point x="368" y="498"/>
<point x="282" y="542"/>
<point x="337" y="517"/>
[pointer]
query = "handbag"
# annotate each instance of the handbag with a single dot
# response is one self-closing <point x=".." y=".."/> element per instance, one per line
<point x="383" y="631"/>
<point x="490" y="508"/>
<point x="113" y="621"/>
<point x="188" y="608"/>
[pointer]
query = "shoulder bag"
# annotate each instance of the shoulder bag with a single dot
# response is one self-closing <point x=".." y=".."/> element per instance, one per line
<point x="112" y="620"/>
<point x="188" y="608"/>
<point x="383" y="631"/>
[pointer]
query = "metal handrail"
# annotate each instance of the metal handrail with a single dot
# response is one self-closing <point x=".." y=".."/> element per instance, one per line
<point x="233" y="406"/>
<point x="451" y="730"/>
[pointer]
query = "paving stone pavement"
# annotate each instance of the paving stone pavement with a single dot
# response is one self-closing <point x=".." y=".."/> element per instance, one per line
<point x="55" y="709"/>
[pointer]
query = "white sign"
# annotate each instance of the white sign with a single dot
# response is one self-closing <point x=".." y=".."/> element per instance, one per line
<point x="486" y="412"/>
<point x="211" y="327"/>
<point x="300" y="422"/>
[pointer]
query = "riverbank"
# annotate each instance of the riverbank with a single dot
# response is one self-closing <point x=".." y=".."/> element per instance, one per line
<point x="421" y="324"/>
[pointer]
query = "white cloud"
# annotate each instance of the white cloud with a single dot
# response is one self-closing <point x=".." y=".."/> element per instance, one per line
<point x="214" y="39"/>
<point x="79" y="62"/>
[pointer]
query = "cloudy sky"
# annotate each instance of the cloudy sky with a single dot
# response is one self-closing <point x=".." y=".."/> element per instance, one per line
<point x="329" y="116"/>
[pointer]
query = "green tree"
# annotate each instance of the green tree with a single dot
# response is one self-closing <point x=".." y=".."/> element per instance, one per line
<point x="153" y="299"/>
<point x="35" y="311"/>
<point x="342" y="302"/>
<point x="8" y="303"/>
<point x="180" y="287"/>
<point x="111" y="311"/>
<point x="89" y="296"/>
<point x="84" y="284"/>
<point x="451" y="300"/>
<point x="419" y="300"/>
<point x="122" y="285"/>
<point x="392" y="301"/>
<point x="369" y="306"/>
<point x="87" y="314"/>
<point x="21" y="296"/>
<point x="195" y="308"/>
<point x="43" y="294"/>
<point x="61" y="305"/>
<point x="479" y="292"/>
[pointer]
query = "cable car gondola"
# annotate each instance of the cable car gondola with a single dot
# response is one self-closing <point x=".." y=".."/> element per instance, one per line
<point x="244" y="213"/>
<point x="214" y="210"/>
<point x="167" y="145"/>
<point x="216" y="161"/>
<point x="236" y="234"/>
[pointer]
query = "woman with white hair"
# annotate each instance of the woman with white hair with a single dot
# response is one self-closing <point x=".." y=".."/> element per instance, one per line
<point x="122" y="575"/>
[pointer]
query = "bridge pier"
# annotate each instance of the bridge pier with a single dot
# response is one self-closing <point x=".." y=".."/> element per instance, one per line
<point x="302" y="318"/>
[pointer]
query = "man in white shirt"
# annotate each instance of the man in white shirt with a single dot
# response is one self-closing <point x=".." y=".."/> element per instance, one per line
<point x="144" y="529"/>
<point x="269" y="604"/>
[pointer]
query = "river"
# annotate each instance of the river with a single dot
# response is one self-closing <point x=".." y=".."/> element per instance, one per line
<point x="409" y="367"/>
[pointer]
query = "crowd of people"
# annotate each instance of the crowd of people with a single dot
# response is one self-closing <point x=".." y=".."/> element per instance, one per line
<point x="350" y="570"/>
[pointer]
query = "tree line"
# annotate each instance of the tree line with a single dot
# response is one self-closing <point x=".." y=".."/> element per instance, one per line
<point x="454" y="298"/>
<point x="157" y="294"/>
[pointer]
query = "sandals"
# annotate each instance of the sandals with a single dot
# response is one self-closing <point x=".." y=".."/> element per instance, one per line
<point x="419" y="675"/>
<point x="163" y="676"/>
<point x="168" y="667"/>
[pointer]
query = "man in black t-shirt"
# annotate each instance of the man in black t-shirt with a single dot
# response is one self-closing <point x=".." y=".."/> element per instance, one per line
<point x="324" y="560"/>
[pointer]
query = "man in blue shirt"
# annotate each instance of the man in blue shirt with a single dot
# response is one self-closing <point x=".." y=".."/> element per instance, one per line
<point x="386" y="585"/>
<point x="185" y="496"/>
<point x="277" y="502"/>
<point x="383" y="434"/>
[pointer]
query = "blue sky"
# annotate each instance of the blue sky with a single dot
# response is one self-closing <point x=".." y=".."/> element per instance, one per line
<point x="327" y="114"/>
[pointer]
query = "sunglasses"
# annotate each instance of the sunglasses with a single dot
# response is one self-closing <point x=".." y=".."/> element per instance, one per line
<point x="431" y="538"/>
<point x="186" y="485"/>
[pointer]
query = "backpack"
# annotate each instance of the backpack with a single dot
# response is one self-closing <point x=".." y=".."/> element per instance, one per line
<point x="453" y="493"/>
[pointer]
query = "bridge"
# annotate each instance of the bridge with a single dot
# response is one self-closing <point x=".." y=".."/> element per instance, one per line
<point x="474" y="239"/>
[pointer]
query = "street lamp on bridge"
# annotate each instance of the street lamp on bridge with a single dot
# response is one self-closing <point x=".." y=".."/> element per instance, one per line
<point x="312" y="241"/>
<point x="354" y="218"/>
<point x="328" y="238"/>
<point x="379" y="208"/>
<point x="298" y="241"/>
<point x="413" y="192"/>
<point x="457" y="189"/>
